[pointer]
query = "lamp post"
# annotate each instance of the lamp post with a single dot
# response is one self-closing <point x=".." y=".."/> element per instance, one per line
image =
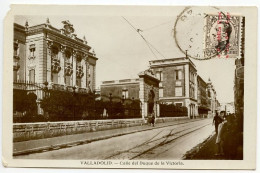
<point x="94" y="92"/>
<point x="110" y="99"/>
<point x="74" y="94"/>
<point x="132" y="108"/>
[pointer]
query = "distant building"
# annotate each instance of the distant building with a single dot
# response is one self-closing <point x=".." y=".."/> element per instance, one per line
<point x="178" y="82"/>
<point x="203" y="101"/>
<point x="228" y="108"/>
<point x="145" y="88"/>
<point x="212" y="96"/>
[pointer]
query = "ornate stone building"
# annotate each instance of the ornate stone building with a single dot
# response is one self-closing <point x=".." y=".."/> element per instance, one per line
<point x="43" y="53"/>
<point x="178" y="83"/>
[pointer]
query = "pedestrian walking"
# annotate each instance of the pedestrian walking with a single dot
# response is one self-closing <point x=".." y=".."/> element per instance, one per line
<point x="216" y="120"/>
<point x="153" y="119"/>
<point x="221" y="137"/>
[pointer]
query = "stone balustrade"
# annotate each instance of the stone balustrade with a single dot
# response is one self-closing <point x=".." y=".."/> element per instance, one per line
<point x="31" y="131"/>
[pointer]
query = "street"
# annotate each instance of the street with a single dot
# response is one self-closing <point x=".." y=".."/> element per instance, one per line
<point x="170" y="142"/>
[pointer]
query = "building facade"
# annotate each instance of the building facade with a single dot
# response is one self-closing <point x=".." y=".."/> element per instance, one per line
<point x="228" y="108"/>
<point x="213" y="102"/>
<point x="44" y="56"/>
<point x="43" y="53"/>
<point x="178" y="82"/>
<point x="145" y="89"/>
<point x="239" y="91"/>
<point x="203" y="101"/>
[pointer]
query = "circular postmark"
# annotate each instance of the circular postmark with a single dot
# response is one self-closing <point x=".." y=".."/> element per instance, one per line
<point x="205" y="33"/>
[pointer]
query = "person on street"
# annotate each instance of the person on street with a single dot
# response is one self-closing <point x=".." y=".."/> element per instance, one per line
<point x="221" y="137"/>
<point x="216" y="120"/>
<point x="152" y="119"/>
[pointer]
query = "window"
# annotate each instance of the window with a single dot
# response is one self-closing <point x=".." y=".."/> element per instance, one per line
<point x="32" y="50"/>
<point x="54" y="53"/>
<point x="67" y="80"/>
<point x="178" y="74"/>
<point x="90" y="70"/>
<point x="192" y="91"/>
<point x="178" y="91"/>
<point x="78" y="61"/>
<point x="15" y="49"/>
<point x="161" y="92"/>
<point x="32" y="75"/>
<point x="67" y="56"/>
<point x="78" y="82"/>
<point x="125" y="94"/>
<point x="54" y="78"/>
<point x="159" y="75"/>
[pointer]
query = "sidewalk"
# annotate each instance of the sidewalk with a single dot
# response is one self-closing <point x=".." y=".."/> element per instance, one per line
<point x="41" y="145"/>
<point x="207" y="151"/>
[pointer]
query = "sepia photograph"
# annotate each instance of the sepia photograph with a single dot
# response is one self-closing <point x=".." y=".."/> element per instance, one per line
<point x="147" y="87"/>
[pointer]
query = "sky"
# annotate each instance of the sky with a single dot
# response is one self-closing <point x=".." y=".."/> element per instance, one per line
<point x="122" y="53"/>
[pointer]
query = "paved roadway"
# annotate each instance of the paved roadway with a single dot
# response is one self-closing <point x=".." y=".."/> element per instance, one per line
<point x="165" y="143"/>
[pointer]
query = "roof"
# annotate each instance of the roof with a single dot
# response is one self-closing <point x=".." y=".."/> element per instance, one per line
<point x="172" y="61"/>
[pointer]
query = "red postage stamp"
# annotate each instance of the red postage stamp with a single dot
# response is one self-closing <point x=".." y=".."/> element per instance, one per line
<point x="222" y="35"/>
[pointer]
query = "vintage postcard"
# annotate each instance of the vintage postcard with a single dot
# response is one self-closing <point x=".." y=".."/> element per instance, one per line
<point x="163" y="87"/>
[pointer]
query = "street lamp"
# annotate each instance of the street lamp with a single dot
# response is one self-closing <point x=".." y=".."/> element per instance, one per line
<point x="94" y="92"/>
<point x="110" y="99"/>
<point x="141" y="108"/>
<point x="132" y="113"/>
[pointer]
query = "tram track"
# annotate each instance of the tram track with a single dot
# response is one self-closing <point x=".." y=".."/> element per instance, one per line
<point x="155" y="142"/>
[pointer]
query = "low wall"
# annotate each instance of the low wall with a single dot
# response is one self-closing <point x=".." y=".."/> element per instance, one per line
<point x="168" y="119"/>
<point x="30" y="131"/>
